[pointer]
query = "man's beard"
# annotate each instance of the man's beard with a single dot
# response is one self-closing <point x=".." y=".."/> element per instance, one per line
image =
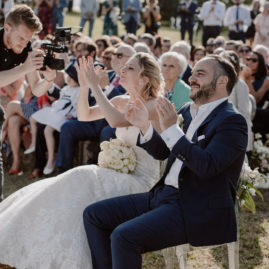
<point x="12" y="47"/>
<point x="205" y="92"/>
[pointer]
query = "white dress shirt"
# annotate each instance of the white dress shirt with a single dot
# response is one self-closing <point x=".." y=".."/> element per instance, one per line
<point x="213" y="18"/>
<point x="174" y="133"/>
<point x="243" y="15"/>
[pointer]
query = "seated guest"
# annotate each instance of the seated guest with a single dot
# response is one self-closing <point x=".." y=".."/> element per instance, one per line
<point x="158" y="48"/>
<point x="102" y="43"/>
<point x="239" y="96"/>
<point x="58" y="113"/>
<point x="231" y="45"/>
<point x="255" y="76"/>
<point x="210" y="45"/>
<point x="167" y="43"/>
<point x="142" y="47"/>
<point x="176" y="90"/>
<point x="182" y="47"/>
<point x="130" y="39"/>
<point x="219" y="41"/>
<point x="243" y="53"/>
<point x="85" y="47"/>
<point x="18" y="114"/>
<point x="197" y="54"/>
<point x="107" y="57"/>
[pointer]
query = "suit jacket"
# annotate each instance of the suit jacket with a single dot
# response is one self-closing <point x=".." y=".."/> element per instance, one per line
<point x="187" y="17"/>
<point x="208" y="179"/>
<point x="187" y="74"/>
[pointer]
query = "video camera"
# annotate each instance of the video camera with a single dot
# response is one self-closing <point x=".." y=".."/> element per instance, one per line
<point x="61" y="36"/>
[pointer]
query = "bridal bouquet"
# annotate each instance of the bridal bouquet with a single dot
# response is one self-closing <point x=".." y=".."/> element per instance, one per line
<point x="246" y="189"/>
<point x="117" y="155"/>
<point x="260" y="155"/>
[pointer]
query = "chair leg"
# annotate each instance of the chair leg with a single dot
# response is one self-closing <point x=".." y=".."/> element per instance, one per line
<point x="168" y="255"/>
<point x="181" y="252"/>
<point x="233" y="255"/>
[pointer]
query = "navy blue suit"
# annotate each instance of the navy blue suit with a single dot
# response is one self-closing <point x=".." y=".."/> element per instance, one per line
<point x="200" y="212"/>
<point x="187" y="74"/>
<point x="187" y="19"/>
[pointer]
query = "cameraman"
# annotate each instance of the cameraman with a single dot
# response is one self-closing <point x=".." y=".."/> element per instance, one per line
<point x="16" y="56"/>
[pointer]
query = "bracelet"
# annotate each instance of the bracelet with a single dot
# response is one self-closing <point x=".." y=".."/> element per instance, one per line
<point x="49" y="80"/>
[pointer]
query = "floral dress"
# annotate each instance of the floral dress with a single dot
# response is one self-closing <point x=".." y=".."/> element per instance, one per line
<point x="111" y="17"/>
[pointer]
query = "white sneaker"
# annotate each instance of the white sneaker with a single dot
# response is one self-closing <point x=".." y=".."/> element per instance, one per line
<point x="29" y="150"/>
<point x="48" y="171"/>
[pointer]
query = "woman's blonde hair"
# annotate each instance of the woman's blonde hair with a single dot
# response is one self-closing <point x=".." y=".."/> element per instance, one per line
<point x="151" y="70"/>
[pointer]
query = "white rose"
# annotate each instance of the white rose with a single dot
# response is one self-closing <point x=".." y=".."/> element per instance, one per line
<point x="131" y="167"/>
<point x="116" y="164"/>
<point x="125" y="170"/>
<point x="104" y="145"/>
<point x="126" y="161"/>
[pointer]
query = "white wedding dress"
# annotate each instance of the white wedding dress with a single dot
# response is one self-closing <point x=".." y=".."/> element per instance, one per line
<point x="41" y="225"/>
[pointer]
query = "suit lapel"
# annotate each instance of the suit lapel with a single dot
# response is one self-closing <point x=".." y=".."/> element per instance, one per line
<point x="214" y="113"/>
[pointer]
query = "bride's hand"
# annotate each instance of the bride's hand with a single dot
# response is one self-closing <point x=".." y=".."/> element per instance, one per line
<point x="87" y="75"/>
<point x="166" y="112"/>
<point x="137" y="114"/>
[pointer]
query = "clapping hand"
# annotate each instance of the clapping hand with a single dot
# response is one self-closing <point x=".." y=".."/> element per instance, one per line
<point x="137" y="114"/>
<point x="246" y="73"/>
<point x="87" y="75"/>
<point x="166" y="112"/>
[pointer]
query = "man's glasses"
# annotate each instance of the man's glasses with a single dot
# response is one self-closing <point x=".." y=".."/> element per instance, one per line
<point x="254" y="60"/>
<point x="119" y="55"/>
<point x="244" y="50"/>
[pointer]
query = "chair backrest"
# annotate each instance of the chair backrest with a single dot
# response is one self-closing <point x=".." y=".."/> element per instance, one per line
<point x="252" y="106"/>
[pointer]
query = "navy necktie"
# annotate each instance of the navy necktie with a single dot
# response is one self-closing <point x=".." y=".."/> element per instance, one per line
<point x="237" y="17"/>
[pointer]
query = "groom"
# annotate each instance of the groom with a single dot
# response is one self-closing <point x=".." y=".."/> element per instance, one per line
<point x="194" y="200"/>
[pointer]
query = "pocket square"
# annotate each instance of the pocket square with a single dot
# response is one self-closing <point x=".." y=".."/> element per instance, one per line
<point x="200" y="137"/>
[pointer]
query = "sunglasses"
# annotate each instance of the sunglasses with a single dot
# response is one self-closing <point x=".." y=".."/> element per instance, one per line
<point x="119" y="55"/>
<point x="106" y="58"/>
<point x="254" y="60"/>
<point x="244" y="50"/>
<point x="219" y="43"/>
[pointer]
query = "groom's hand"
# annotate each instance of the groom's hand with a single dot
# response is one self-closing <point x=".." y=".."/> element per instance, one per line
<point x="166" y="112"/>
<point x="137" y="114"/>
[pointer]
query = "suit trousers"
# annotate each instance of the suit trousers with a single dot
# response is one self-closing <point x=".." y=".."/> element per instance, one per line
<point x="210" y="31"/>
<point x="233" y="35"/>
<point x="189" y="29"/>
<point x="71" y="133"/>
<point x="120" y="229"/>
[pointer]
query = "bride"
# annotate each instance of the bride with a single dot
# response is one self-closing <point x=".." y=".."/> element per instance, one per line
<point x="41" y="224"/>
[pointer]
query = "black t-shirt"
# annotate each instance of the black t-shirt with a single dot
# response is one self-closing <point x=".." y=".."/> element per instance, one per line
<point x="9" y="59"/>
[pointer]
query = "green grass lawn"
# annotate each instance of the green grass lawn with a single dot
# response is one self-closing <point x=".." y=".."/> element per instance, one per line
<point x="73" y="19"/>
